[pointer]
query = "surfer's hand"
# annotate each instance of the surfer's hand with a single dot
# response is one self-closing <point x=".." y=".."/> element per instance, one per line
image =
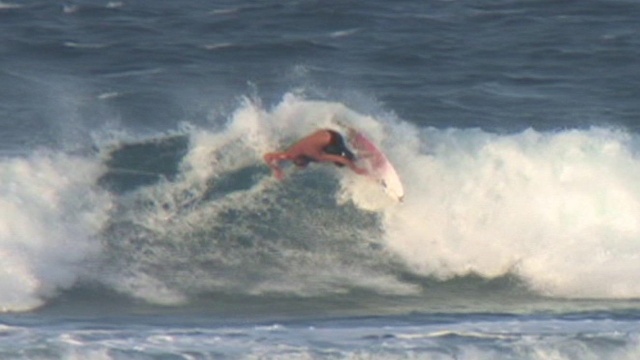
<point x="359" y="171"/>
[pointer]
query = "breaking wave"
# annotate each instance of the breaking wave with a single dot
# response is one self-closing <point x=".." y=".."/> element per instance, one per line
<point x="176" y="217"/>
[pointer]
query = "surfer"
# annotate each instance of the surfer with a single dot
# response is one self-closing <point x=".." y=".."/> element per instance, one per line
<point x="322" y="146"/>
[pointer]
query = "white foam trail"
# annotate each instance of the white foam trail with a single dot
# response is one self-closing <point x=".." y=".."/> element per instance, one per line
<point x="559" y="209"/>
<point x="51" y="216"/>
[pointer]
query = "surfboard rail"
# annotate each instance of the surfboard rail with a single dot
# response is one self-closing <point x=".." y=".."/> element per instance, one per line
<point x="377" y="164"/>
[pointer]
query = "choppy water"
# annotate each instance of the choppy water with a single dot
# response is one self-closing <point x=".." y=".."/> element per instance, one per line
<point x="138" y="220"/>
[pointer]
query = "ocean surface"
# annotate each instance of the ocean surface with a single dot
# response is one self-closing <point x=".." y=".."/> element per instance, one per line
<point x="138" y="221"/>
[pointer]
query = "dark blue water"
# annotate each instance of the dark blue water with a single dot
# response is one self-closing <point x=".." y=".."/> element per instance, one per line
<point x="139" y="221"/>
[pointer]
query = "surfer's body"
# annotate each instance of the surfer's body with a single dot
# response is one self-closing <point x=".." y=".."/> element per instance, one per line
<point x="322" y="146"/>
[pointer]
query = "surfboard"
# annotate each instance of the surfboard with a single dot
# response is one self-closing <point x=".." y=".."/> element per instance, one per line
<point x="378" y="166"/>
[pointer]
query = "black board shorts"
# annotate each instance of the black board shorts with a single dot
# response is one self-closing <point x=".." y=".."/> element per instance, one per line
<point x="338" y="147"/>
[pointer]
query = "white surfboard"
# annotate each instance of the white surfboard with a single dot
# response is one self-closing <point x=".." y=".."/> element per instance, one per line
<point x="377" y="164"/>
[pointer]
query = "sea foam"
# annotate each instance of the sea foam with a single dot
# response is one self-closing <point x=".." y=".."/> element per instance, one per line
<point x="558" y="209"/>
<point x="51" y="218"/>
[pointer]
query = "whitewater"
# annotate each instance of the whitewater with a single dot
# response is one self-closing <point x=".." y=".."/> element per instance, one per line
<point x="556" y="210"/>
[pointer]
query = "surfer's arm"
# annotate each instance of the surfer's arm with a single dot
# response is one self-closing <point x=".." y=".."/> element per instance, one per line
<point x="342" y="161"/>
<point x="273" y="160"/>
<point x="358" y="170"/>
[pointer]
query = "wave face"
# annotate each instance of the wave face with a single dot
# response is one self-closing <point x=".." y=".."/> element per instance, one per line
<point x="197" y="214"/>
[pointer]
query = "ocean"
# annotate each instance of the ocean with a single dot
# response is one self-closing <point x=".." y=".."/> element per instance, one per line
<point x="138" y="220"/>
